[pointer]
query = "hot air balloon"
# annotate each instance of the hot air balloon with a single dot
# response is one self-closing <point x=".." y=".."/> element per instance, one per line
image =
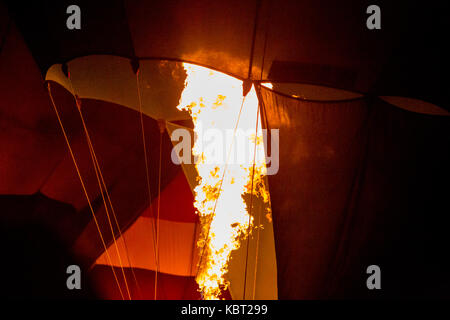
<point x="88" y="117"/>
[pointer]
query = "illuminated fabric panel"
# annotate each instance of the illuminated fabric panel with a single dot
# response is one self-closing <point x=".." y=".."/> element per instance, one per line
<point x="178" y="254"/>
<point x="358" y="183"/>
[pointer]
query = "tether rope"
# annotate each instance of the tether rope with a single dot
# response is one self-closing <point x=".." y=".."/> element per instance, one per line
<point x="96" y="169"/>
<point x="158" y="209"/>
<point x="251" y="200"/>
<point x="147" y="174"/>
<point x="121" y="235"/>
<point x="192" y="258"/>
<point x="84" y="188"/>
<point x="259" y="215"/>
<point x="98" y="174"/>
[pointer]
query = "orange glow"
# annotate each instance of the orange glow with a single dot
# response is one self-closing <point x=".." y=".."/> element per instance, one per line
<point x="213" y="100"/>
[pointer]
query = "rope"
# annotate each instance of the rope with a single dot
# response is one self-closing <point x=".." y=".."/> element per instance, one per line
<point x="259" y="216"/>
<point x="158" y="210"/>
<point x="97" y="169"/>
<point x="84" y="188"/>
<point x="147" y="174"/>
<point x="256" y="258"/>
<point x="251" y="201"/>
<point x="192" y="259"/>
<point x="98" y="174"/>
<point x="121" y="235"/>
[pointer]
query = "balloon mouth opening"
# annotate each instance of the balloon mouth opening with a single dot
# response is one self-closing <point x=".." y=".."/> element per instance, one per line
<point x="81" y="75"/>
<point x="78" y="66"/>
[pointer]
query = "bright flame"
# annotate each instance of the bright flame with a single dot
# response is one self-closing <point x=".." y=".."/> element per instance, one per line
<point x="267" y="85"/>
<point x="213" y="100"/>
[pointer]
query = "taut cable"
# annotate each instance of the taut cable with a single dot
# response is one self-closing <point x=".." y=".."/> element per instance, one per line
<point x="84" y="188"/>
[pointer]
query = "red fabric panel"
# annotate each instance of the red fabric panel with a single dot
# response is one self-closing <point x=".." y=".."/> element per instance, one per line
<point x="176" y="201"/>
<point x="27" y="127"/>
<point x="178" y="253"/>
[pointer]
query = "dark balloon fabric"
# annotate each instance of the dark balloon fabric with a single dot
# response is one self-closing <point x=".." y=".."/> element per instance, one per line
<point x="320" y="42"/>
<point x="35" y="238"/>
<point x="360" y="183"/>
